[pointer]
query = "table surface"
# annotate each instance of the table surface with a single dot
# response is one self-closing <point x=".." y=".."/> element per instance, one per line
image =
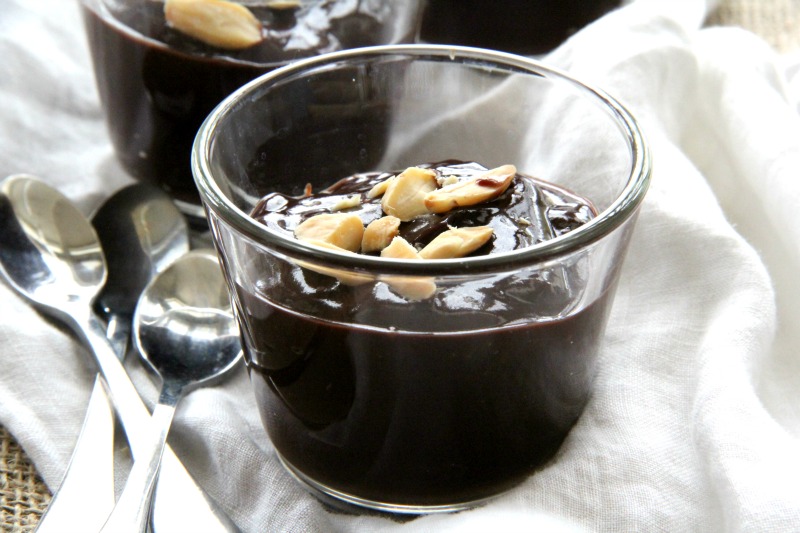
<point x="23" y="494"/>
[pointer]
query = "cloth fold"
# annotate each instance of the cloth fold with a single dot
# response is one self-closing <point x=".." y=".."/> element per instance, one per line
<point x="694" y="424"/>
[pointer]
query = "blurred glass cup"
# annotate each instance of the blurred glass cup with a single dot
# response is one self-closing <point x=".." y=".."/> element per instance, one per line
<point x="157" y="85"/>
<point x="526" y="27"/>
<point x="403" y="403"/>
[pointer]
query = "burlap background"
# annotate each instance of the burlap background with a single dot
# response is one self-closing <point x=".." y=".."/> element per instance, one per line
<point x="23" y="495"/>
<point x="777" y="21"/>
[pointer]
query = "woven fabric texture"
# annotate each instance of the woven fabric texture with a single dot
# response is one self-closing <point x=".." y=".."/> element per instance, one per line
<point x="23" y="495"/>
<point x="777" y="21"/>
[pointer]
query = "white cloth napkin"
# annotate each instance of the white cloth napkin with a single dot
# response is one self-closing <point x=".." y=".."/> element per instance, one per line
<point x="695" y="421"/>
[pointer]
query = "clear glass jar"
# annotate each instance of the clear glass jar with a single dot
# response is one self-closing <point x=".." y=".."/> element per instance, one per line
<point x="157" y="85"/>
<point x="432" y="404"/>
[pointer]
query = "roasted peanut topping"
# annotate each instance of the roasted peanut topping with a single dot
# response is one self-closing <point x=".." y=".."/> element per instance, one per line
<point x="339" y="229"/>
<point x="380" y="188"/>
<point x="410" y="194"/>
<point x="347" y="203"/>
<point x="421" y="204"/>
<point x="413" y="288"/>
<point x="457" y="242"/>
<point x="379" y="234"/>
<point x="474" y="191"/>
<point x="405" y="194"/>
<point x="437" y="211"/>
<point x="219" y="23"/>
<point x="400" y="248"/>
<point x="347" y="278"/>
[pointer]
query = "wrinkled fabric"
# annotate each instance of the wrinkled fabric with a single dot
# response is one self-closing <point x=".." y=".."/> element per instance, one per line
<point x="694" y="423"/>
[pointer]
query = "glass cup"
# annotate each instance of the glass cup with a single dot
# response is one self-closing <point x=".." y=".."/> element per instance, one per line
<point x="157" y="84"/>
<point x="529" y="27"/>
<point x="406" y="404"/>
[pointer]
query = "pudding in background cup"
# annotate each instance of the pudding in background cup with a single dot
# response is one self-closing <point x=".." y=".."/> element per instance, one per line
<point x="432" y="401"/>
<point x="157" y="83"/>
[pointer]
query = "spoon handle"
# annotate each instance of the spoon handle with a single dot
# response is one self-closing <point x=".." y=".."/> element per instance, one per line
<point x="181" y="504"/>
<point x="118" y="332"/>
<point x="131" y="513"/>
<point x="90" y="473"/>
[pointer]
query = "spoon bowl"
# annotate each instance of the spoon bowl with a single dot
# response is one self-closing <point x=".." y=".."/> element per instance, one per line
<point x="186" y="333"/>
<point x="184" y="326"/>
<point x="142" y="232"/>
<point x="45" y="259"/>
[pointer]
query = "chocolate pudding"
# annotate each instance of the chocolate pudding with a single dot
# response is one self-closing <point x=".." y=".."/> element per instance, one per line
<point x="449" y="398"/>
<point x="158" y="84"/>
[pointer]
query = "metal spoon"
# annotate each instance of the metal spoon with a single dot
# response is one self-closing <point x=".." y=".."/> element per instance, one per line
<point x="50" y="254"/>
<point x="185" y="331"/>
<point x="141" y="232"/>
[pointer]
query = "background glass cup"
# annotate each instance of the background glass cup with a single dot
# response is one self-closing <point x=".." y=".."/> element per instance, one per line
<point x="529" y="27"/>
<point x="156" y="86"/>
<point x="431" y="404"/>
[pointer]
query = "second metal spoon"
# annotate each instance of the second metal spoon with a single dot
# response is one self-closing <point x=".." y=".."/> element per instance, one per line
<point x="185" y="331"/>
<point x="142" y="233"/>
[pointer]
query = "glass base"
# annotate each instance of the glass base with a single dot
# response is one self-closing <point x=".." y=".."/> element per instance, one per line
<point x="345" y="502"/>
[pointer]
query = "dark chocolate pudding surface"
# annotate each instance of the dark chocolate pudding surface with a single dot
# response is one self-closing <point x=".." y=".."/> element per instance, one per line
<point x="439" y="401"/>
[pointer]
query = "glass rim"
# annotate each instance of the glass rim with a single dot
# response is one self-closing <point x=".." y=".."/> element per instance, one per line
<point x="622" y="208"/>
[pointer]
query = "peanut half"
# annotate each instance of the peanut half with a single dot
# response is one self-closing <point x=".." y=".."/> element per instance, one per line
<point x="482" y="188"/>
<point x="400" y="248"/>
<point x="379" y="234"/>
<point x="339" y="229"/>
<point x="457" y="242"/>
<point x="344" y="277"/>
<point x="379" y="189"/>
<point x="405" y="194"/>
<point x="220" y="23"/>
<point x="413" y="288"/>
<point x="347" y="202"/>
